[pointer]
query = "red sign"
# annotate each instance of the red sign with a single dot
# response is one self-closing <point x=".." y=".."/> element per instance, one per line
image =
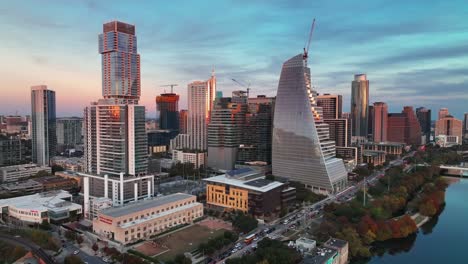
<point x="105" y="220"/>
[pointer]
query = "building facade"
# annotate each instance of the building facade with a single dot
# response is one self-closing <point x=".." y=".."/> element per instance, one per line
<point x="360" y="106"/>
<point x="449" y="126"/>
<point x="141" y="220"/>
<point x="198" y="159"/>
<point x="226" y="130"/>
<point x="424" y="117"/>
<point x="302" y="150"/>
<point x="34" y="209"/>
<point x="69" y="132"/>
<point x="380" y="122"/>
<point x="404" y="127"/>
<point x="332" y="105"/>
<point x="167" y="105"/>
<point x="44" y="138"/>
<point x="247" y="190"/>
<point x="340" y="131"/>
<point x="120" y="63"/>
<point x="465" y="126"/>
<point x="18" y="172"/>
<point x="183" y="115"/>
<point x="12" y="151"/>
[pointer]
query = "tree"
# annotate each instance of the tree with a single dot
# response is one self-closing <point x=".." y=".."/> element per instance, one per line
<point x="42" y="173"/>
<point x="70" y="235"/>
<point x="270" y="177"/>
<point x="79" y="239"/>
<point x="427" y="209"/>
<point x="56" y="168"/>
<point x="356" y="248"/>
<point x="45" y="225"/>
<point x="73" y="259"/>
<point x="245" y="223"/>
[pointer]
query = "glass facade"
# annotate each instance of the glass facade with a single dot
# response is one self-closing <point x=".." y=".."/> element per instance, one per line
<point x="301" y="148"/>
<point x="44" y="138"/>
<point x="120" y="63"/>
<point x="360" y="106"/>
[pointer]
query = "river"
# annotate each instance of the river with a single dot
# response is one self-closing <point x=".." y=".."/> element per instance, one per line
<point x="444" y="239"/>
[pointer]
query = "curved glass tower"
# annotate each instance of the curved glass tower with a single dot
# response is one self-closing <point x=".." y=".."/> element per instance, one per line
<point x="302" y="150"/>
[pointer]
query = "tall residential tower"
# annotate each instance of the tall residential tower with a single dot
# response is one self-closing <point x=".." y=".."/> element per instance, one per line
<point x="360" y="106"/>
<point x="44" y="138"/>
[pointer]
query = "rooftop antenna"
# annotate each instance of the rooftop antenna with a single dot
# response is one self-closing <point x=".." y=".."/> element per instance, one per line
<point x="307" y="44"/>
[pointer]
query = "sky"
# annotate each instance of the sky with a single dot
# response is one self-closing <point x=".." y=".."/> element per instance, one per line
<point x="413" y="52"/>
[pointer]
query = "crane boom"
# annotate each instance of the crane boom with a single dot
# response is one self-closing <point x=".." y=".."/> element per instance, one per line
<point x="306" y="47"/>
<point x="243" y="85"/>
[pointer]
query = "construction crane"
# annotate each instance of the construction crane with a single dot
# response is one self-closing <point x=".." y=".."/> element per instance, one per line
<point x="243" y="85"/>
<point x="307" y="44"/>
<point x="171" y="85"/>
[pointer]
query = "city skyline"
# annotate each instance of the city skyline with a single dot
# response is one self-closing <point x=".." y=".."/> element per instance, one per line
<point x="389" y="51"/>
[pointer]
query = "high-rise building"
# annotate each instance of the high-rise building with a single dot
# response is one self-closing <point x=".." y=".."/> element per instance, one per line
<point x="226" y="130"/>
<point x="69" y="132"/>
<point x="360" y="105"/>
<point x="12" y="151"/>
<point x="443" y="112"/>
<point x="340" y="131"/>
<point x="448" y="125"/>
<point x="465" y="126"/>
<point x="380" y="122"/>
<point x="120" y="63"/>
<point x="302" y="150"/>
<point x="44" y="139"/>
<point x="404" y="127"/>
<point x="201" y="96"/>
<point x="424" y="118"/>
<point x="183" y="115"/>
<point x="256" y="143"/>
<point x="168" y="106"/>
<point x="332" y="105"/>
<point x="116" y="140"/>
<point x="115" y="136"/>
<point x="370" y="123"/>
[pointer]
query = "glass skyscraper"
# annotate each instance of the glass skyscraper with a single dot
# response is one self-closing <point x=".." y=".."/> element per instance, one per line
<point x="44" y="139"/>
<point x="120" y="63"/>
<point x="115" y="136"/>
<point x="302" y="150"/>
<point x="360" y="106"/>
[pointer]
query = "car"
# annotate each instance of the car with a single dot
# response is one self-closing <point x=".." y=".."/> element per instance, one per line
<point x="255" y="239"/>
<point x="76" y="252"/>
<point x="106" y="260"/>
<point x="234" y="250"/>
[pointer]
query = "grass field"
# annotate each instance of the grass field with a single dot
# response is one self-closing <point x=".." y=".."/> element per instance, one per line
<point x="186" y="240"/>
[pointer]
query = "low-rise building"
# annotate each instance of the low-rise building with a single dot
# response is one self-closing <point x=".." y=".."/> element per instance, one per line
<point x="390" y="148"/>
<point x="445" y="141"/>
<point x="52" y="183"/>
<point x="49" y="206"/>
<point x="69" y="163"/>
<point x="305" y="244"/>
<point x="143" y="219"/>
<point x="374" y="157"/>
<point x="248" y="190"/>
<point x="198" y="159"/>
<point x="96" y="204"/>
<point x="17" y="172"/>
<point x="341" y="246"/>
<point x="20" y="188"/>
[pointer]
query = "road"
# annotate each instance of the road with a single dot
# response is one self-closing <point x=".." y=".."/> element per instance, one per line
<point x="29" y="246"/>
<point x="280" y="226"/>
<point x="70" y="247"/>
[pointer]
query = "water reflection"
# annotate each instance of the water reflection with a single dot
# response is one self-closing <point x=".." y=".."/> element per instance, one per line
<point x="429" y="225"/>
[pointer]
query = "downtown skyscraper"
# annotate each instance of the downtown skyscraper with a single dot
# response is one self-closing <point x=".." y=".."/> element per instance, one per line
<point x="167" y="105"/>
<point x="380" y="122"/>
<point x="44" y="137"/>
<point x="424" y="117"/>
<point x="302" y="150"/>
<point x="360" y="106"/>
<point x="115" y="136"/>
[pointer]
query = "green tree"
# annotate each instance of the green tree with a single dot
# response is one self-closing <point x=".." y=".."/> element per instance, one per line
<point x="56" y="168"/>
<point x="182" y="259"/>
<point x="356" y="247"/>
<point x="45" y="225"/>
<point x="244" y="223"/>
<point x="73" y="259"/>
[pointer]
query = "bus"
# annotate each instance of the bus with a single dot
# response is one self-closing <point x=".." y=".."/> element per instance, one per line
<point x="248" y="239"/>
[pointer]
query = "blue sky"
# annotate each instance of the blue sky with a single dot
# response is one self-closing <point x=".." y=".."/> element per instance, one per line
<point x="414" y="52"/>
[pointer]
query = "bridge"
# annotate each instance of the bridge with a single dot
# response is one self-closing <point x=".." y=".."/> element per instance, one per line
<point x="453" y="170"/>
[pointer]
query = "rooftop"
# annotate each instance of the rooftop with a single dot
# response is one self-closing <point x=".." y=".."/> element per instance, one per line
<point x="143" y="205"/>
<point x="335" y="242"/>
<point x="320" y="256"/>
<point x="260" y="184"/>
<point x="41" y="201"/>
<point x="373" y="153"/>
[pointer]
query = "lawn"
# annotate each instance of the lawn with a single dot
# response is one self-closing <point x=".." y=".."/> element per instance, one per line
<point x="186" y="240"/>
